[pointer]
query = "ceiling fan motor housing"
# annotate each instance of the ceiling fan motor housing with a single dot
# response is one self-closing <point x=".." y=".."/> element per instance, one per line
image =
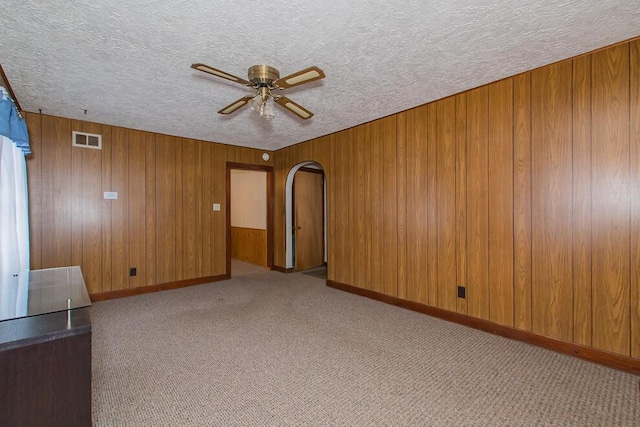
<point x="263" y="75"/>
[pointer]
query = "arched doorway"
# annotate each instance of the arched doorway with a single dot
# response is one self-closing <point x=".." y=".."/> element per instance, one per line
<point x="290" y="235"/>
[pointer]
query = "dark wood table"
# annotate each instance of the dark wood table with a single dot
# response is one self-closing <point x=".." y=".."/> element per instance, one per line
<point x="45" y="349"/>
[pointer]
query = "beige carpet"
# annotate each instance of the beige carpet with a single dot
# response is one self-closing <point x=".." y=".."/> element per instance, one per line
<point x="319" y="272"/>
<point x="242" y="268"/>
<point x="276" y="349"/>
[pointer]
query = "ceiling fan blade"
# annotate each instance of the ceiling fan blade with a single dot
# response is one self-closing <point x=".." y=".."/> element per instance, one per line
<point x="236" y="105"/>
<point x="296" y="109"/>
<point x="210" y="70"/>
<point x="303" y="76"/>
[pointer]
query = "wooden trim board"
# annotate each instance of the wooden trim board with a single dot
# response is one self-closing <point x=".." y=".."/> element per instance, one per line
<point x="121" y="293"/>
<point x="587" y="353"/>
<point x="281" y="269"/>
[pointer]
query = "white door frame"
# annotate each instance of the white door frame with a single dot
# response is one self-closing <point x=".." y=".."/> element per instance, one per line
<point x="288" y="195"/>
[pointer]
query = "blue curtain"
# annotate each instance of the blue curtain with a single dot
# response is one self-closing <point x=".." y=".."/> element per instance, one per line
<point x="12" y="125"/>
<point x="14" y="217"/>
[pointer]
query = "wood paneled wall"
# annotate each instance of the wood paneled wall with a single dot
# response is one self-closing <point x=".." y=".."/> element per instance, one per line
<point x="250" y="245"/>
<point x="162" y="223"/>
<point x="525" y="191"/>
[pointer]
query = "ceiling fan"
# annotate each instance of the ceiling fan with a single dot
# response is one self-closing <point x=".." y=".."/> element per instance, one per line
<point x="266" y="79"/>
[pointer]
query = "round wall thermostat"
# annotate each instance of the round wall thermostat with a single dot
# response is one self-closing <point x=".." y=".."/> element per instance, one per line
<point x="265" y="156"/>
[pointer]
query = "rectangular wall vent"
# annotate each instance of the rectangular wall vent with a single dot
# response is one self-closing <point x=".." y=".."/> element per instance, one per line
<point x="86" y="140"/>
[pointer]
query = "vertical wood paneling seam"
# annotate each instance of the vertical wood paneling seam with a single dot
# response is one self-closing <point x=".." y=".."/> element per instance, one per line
<point x="465" y="222"/>
<point x="513" y="218"/>
<point x="39" y="256"/>
<point x="513" y="200"/>
<point x="488" y="181"/>
<point x="70" y="198"/>
<point x="530" y="225"/>
<point x="155" y="212"/>
<point x="456" y="207"/>
<point x="398" y="213"/>
<point x="403" y="165"/>
<point x="127" y="207"/>
<point x="82" y="213"/>
<point x="175" y="201"/>
<point x="466" y="186"/>
<point x="573" y="204"/>
<point x="31" y="230"/>
<point x="629" y="203"/>
<point x="591" y="195"/>
<point x="110" y="172"/>
<point x="144" y="140"/>
<point x="633" y="191"/>
<point x="128" y="210"/>
<point x="437" y="210"/>
<point x="591" y="191"/>
<point x="455" y="203"/>
<point x="101" y="220"/>
<point x="397" y="207"/>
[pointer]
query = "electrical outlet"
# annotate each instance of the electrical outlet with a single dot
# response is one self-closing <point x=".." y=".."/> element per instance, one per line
<point x="133" y="272"/>
<point x="462" y="292"/>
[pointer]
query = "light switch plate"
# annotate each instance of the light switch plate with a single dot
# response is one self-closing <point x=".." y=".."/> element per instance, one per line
<point x="111" y="195"/>
<point x="216" y="206"/>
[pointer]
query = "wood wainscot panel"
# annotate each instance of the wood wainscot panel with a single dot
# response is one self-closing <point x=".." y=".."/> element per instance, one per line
<point x="446" y="203"/>
<point x="386" y="130"/>
<point x="501" y="202"/>
<point x="361" y="197"/>
<point x="137" y="208"/>
<point x="582" y="161"/>
<point x="165" y="209"/>
<point x="249" y="245"/>
<point x="478" y="203"/>
<point x="610" y="210"/>
<point x="344" y="206"/>
<point x="635" y="197"/>
<point x="88" y="207"/>
<point x="55" y="192"/>
<point x="431" y="200"/>
<point x="150" y="208"/>
<point x="522" y="201"/>
<point x="401" y="197"/>
<point x="552" y="222"/>
<point x="415" y="134"/>
<point x="461" y="198"/>
<point x="190" y="210"/>
<point x="120" y="228"/>
<point x="105" y="224"/>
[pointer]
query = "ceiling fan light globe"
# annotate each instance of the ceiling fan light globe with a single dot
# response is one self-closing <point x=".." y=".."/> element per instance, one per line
<point x="254" y="104"/>
<point x="266" y="110"/>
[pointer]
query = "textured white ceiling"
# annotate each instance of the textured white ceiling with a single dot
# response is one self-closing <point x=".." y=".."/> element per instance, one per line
<point x="127" y="63"/>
